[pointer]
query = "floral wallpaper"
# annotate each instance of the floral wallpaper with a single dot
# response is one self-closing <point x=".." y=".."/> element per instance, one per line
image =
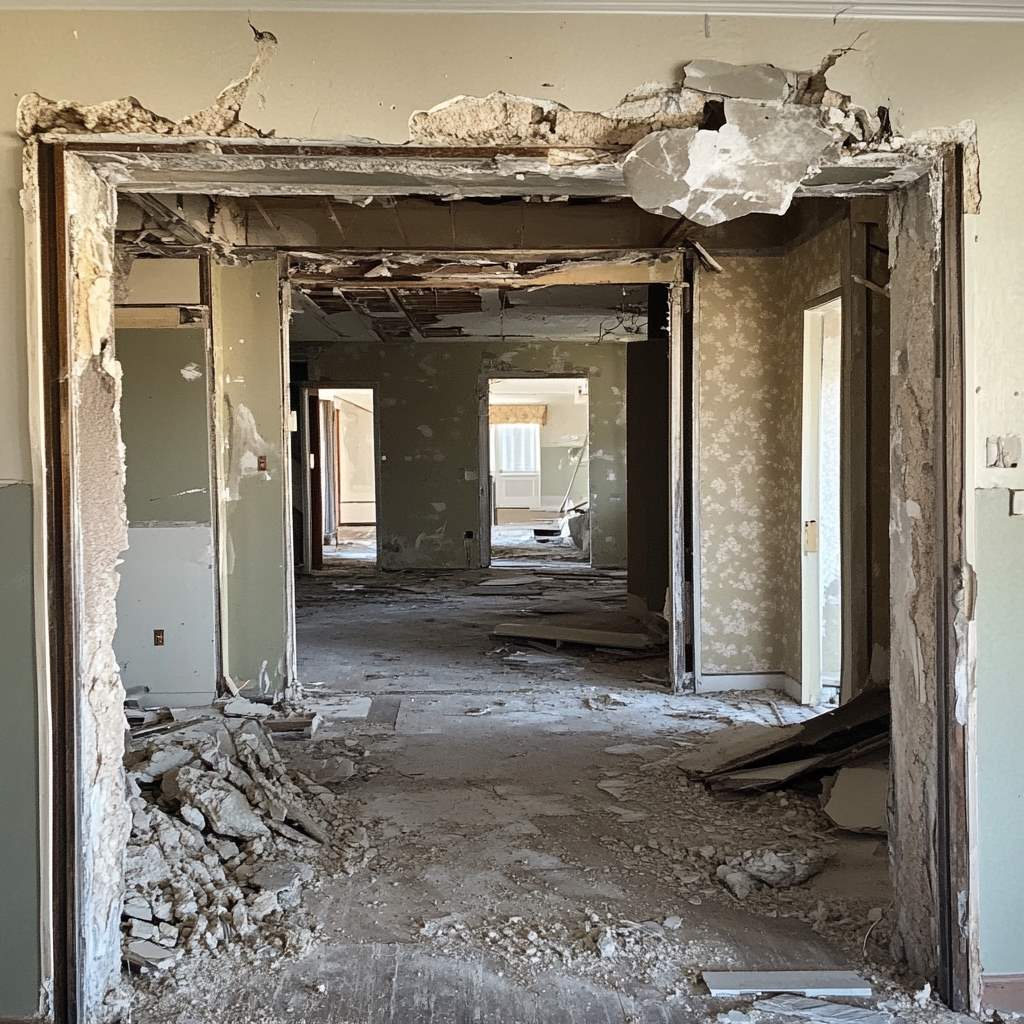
<point x="749" y="382"/>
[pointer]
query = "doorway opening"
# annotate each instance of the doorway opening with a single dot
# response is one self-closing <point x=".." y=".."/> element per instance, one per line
<point x="821" y="472"/>
<point x="411" y="705"/>
<point x="539" y="469"/>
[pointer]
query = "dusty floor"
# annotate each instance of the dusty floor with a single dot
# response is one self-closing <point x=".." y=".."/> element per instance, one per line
<point x="520" y="811"/>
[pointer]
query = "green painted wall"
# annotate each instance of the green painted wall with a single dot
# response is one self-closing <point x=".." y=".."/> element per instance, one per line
<point x="430" y="458"/>
<point x="1000" y="646"/>
<point x="164" y="425"/>
<point x="19" y="795"/>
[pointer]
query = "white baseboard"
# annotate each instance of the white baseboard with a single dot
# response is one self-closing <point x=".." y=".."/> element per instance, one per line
<point x="716" y="683"/>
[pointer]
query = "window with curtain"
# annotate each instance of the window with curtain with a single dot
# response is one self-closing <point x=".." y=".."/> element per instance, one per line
<point x="515" y="448"/>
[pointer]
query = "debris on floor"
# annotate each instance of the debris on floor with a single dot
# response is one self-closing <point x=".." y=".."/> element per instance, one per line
<point x="225" y="838"/>
<point x="574" y="635"/>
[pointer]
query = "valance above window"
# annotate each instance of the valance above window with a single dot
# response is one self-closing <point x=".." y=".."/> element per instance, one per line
<point x="518" y="414"/>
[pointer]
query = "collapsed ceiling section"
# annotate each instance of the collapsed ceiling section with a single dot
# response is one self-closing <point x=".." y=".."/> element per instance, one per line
<point x="590" y="313"/>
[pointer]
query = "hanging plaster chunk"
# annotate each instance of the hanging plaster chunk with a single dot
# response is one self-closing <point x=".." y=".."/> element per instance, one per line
<point x="749" y="81"/>
<point x="753" y="163"/>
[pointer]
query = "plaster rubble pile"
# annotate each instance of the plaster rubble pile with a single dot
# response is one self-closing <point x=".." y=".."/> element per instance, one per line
<point x="224" y="841"/>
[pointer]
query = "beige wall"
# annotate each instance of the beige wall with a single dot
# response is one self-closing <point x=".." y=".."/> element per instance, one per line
<point x="749" y="378"/>
<point x="931" y="74"/>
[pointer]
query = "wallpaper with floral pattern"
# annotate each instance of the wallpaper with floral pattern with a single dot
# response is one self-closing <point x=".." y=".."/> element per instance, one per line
<point x="749" y="379"/>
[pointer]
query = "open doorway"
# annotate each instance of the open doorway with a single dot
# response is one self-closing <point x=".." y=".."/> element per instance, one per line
<point x="348" y="471"/>
<point x="821" y="465"/>
<point x="338" y="479"/>
<point x="539" y="468"/>
<point x="612" y="695"/>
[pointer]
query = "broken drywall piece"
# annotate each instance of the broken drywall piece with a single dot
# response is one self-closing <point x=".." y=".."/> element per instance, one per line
<point x="857" y="799"/>
<point x="127" y="115"/>
<point x="749" y="81"/>
<point x="754" y="163"/>
<point x="821" y="1012"/>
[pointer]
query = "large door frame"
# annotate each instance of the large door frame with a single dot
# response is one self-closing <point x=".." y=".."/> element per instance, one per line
<point x="63" y="351"/>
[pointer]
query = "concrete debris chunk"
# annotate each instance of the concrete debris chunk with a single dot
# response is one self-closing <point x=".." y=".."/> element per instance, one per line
<point x="211" y="862"/>
<point x="149" y="954"/>
<point x="746" y="81"/>
<point x="242" y="707"/>
<point x="781" y="868"/>
<point x="224" y="807"/>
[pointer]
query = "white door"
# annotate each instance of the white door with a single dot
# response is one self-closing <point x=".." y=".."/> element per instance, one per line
<point x="821" y="578"/>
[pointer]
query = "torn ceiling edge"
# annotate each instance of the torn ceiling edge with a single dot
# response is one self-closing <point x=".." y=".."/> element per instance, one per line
<point x="37" y="114"/>
<point x="726" y="141"/>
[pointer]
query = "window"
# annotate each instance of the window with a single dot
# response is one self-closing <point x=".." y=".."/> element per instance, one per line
<point x="515" y="448"/>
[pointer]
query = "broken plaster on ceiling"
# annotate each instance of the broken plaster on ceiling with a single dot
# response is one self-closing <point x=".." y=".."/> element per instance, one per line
<point x="37" y="114"/>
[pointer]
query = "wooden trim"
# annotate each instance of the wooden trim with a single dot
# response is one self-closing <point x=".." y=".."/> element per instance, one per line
<point x="316" y="498"/>
<point x="1003" y="992"/>
<point x="716" y="682"/>
<point x="66" y="870"/>
<point x="954" y="889"/>
<point x="680" y="627"/>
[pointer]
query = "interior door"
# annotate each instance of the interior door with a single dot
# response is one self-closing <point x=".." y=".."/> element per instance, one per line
<point x="820" y="573"/>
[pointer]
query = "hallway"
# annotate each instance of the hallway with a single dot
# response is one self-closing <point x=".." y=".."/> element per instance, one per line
<point x="523" y="818"/>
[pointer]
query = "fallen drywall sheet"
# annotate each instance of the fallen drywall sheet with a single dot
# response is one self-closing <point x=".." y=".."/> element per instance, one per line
<point x="37" y="114"/>
<point x="810" y="983"/>
<point x="753" y="163"/>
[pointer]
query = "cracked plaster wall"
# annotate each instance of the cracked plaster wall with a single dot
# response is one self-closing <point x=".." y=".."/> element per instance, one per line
<point x="749" y="376"/>
<point x="587" y="62"/>
<point x="429" y="443"/>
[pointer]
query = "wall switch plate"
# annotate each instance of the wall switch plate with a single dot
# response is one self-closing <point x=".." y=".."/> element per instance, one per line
<point x="1016" y="503"/>
<point x="158" y="638"/>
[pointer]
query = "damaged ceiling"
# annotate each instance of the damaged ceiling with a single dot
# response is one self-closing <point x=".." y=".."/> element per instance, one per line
<point x="559" y="313"/>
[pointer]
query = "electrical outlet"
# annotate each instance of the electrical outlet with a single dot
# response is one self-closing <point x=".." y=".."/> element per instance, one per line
<point x="261" y="463"/>
<point x="158" y="638"/>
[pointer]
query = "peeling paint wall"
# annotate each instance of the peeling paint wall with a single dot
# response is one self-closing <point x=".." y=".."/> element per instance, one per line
<point x="430" y="459"/>
<point x="246" y="321"/>
<point x="749" y="376"/>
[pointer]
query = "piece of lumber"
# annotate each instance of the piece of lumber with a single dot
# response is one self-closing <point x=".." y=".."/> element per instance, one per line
<point x="863" y="719"/>
<point x="808" y="983"/>
<point x="574" y="635"/>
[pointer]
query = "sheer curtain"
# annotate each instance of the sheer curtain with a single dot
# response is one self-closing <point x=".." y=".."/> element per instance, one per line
<point x="515" y="448"/>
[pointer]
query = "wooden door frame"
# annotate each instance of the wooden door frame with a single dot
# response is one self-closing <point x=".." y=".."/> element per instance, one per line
<point x="52" y="336"/>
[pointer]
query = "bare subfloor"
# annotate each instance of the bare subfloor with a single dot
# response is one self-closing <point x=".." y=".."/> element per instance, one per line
<point x="524" y="818"/>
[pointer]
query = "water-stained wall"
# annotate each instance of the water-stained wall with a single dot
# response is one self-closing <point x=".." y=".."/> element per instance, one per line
<point x="749" y="369"/>
<point x="429" y="407"/>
